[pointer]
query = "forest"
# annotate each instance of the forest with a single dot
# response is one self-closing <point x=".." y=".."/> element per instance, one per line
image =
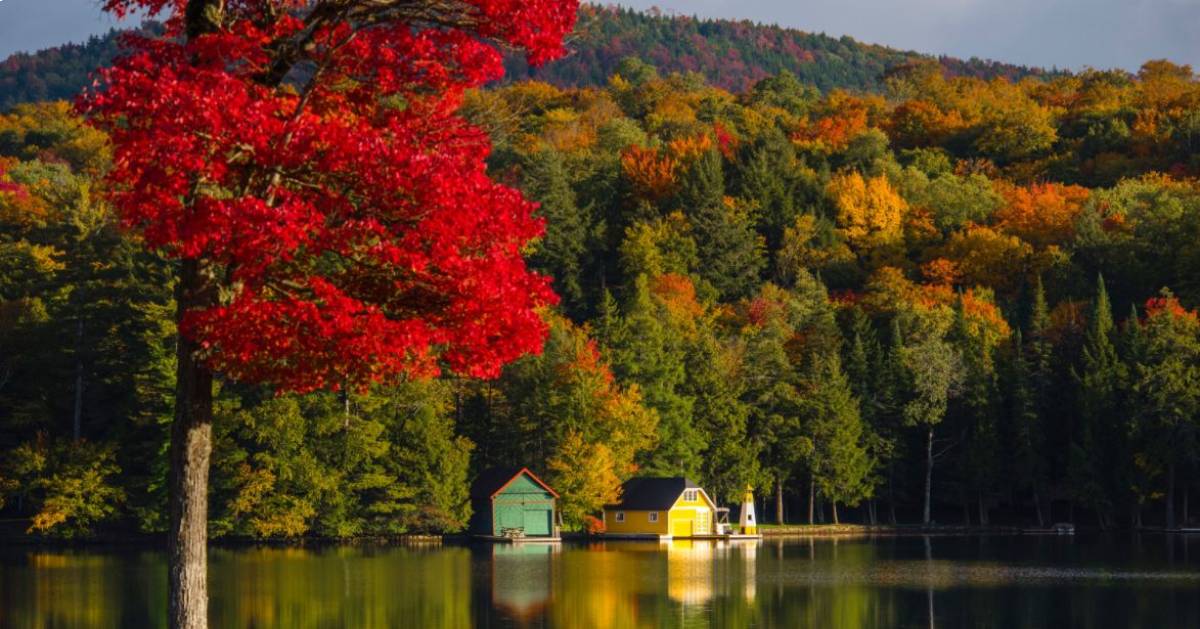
<point x="951" y="300"/>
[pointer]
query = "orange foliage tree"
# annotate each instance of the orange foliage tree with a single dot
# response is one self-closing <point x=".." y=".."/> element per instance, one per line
<point x="1042" y="214"/>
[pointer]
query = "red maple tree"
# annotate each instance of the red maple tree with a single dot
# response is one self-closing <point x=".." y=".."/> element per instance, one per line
<point x="330" y="211"/>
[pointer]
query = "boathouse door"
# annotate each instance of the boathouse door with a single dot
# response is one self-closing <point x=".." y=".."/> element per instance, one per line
<point x="537" y="521"/>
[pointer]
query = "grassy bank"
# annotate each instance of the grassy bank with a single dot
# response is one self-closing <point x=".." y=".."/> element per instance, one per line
<point x="847" y="530"/>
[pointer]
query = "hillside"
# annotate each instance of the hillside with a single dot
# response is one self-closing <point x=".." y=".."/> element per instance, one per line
<point x="731" y="55"/>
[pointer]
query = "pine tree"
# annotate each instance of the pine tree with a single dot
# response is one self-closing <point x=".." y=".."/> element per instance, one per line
<point x="765" y="178"/>
<point x="733" y="254"/>
<point x="1166" y="381"/>
<point x="730" y="460"/>
<point x="561" y="252"/>
<point x="976" y="411"/>
<point x="1094" y="465"/>
<point x="645" y="351"/>
<point x="1026" y="427"/>
<point x="776" y="406"/>
<point x="891" y="390"/>
<point x="840" y="463"/>
<point x="1041" y="381"/>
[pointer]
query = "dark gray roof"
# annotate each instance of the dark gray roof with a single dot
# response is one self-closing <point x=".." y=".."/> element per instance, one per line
<point x="652" y="494"/>
<point x="493" y="480"/>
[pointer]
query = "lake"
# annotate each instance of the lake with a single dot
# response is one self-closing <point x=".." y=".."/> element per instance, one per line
<point x="976" y="582"/>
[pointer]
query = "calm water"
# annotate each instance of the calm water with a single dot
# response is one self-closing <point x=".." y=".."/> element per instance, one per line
<point x="1000" y="582"/>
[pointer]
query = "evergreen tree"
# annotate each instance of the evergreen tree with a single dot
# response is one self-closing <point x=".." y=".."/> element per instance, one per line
<point x="840" y="463"/>
<point x="976" y="412"/>
<point x="891" y="395"/>
<point x="1027" y="434"/>
<point x="733" y="254"/>
<point x="561" y="252"/>
<point x="1166" y="381"/>
<point x="1100" y="444"/>
<point x="776" y="406"/>
<point x="765" y="179"/>
<point x="646" y="352"/>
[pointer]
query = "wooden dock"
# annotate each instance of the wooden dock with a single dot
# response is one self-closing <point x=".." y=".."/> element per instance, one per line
<point x="501" y="539"/>
<point x="730" y="537"/>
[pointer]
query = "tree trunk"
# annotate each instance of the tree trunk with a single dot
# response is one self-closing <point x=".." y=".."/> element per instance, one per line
<point x="1171" y="495"/>
<point x="891" y="496"/>
<point x="191" y="444"/>
<point x="966" y="506"/>
<point x="1186" y="518"/>
<point x="928" y="476"/>
<point x="833" y="505"/>
<point x="779" y="502"/>
<point x="1037" y="506"/>
<point x="929" y="588"/>
<point x="983" y="511"/>
<point x="77" y="425"/>
<point x="812" y="499"/>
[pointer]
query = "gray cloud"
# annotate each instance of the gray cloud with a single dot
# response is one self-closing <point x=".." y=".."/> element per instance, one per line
<point x="1064" y="33"/>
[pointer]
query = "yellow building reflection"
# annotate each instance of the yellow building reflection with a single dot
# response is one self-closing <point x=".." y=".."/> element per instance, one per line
<point x="690" y="571"/>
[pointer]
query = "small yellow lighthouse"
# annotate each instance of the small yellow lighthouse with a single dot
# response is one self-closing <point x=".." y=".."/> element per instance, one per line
<point x="746" y="521"/>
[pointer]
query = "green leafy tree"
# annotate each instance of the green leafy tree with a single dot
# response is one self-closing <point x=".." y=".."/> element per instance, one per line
<point x="933" y="369"/>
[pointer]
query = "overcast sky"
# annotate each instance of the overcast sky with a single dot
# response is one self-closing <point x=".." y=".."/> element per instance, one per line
<point x="1064" y="33"/>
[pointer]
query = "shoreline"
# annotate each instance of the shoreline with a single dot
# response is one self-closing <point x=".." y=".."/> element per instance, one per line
<point x="770" y="531"/>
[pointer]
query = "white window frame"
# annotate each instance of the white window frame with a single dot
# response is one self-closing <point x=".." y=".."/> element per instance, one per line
<point x="620" y="516"/>
<point x="653" y="516"/>
<point x="691" y="495"/>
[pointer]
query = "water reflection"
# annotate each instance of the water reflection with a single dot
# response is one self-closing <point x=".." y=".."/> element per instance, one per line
<point x="522" y="579"/>
<point x="1022" y="583"/>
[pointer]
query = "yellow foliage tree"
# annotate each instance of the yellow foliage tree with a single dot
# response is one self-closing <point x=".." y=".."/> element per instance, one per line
<point x="583" y="475"/>
<point x="986" y="257"/>
<point x="870" y="213"/>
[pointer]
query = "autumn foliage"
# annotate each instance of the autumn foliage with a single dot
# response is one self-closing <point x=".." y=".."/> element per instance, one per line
<point x="346" y="218"/>
<point x="651" y="175"/>
<point x="1043" y="213"/>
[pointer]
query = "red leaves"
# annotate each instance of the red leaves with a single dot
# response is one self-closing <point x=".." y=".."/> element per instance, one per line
<point x="346" y="214"/>
<point x="7" y="186"/>
<point x="1168" y="305"/>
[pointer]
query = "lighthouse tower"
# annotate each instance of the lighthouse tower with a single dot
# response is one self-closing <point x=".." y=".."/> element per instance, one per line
<point x="747" y="522"/>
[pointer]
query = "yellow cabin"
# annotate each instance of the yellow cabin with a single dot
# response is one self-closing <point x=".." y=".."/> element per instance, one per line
<point x="660" y="507"/>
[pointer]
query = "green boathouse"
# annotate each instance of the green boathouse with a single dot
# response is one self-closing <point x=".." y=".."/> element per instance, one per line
<point x="513" y="504"/>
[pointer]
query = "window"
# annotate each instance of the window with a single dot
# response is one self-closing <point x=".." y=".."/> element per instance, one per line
<point x="654" y="516"/>
<point x="691" y="495"/>
<point x="620" y="516"/>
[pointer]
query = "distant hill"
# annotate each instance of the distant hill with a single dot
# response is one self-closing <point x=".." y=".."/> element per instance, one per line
<point x="730" y="54"/>
<point x="57" y="73"/>
<point x="733" y="54"/>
